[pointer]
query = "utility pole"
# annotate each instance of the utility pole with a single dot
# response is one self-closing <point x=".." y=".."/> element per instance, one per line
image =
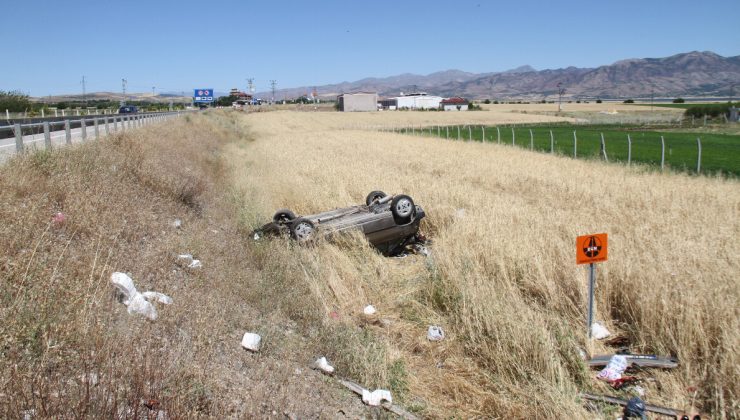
<point x="84" y="91"/>
<point x="273" y="83"/>
<point x="153" y="87"/>
<point x="250" y="89"/>
<point x="123" y="88"/>
<point x="561" y="91"/>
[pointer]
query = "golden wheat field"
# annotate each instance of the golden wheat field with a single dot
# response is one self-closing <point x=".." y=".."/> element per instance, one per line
<point x="501" y="278"/>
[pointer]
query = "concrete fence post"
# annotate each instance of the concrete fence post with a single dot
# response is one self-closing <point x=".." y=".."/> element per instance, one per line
<point x="513" y="137"/>
<point x="575" y="145"/>
<point x="115" y="123"/>
<point x="498" y="135"/>
<point x="83" y="129"/>
<point x="470" y="133"/>
<point x="531" y="140"/>
<point x="97" y="129"/>
<point x="447" y="130"/>
<point x="67" y="132"/>
<point x="63" y="114"/>
<point x="662" y="153"/>
<point x="698" y="157"/>
<point x="42" y="113"/>
<point x="47" y="135"/>
<point x="56" y="114"/>
<point x="107" y="127"/>
<point x="7" y="115"/>
<point x="552" y="143"/>
<point x="629" y="150"/>
<point x="483" y="133"/>
<point x="18" y="138"/>
<point x="603" y="148"/>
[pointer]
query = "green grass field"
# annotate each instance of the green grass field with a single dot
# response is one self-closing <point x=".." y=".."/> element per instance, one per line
<point x="720" y="152"/>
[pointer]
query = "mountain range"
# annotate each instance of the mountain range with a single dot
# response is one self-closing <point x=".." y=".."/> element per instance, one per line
<point x="688" y="74"/>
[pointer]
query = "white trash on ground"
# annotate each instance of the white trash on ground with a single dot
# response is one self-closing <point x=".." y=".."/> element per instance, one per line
<point x="599" y="331"/>
<point x="435" y="333"/>
<point x="251" y="341"/>
<point x="177" y="223"/>
<point x="376" y="397"/>
<point x="614" y="369"/>
<point x="137" y="302"/>
<point x="323" y="365"/>
<point x="192" y="263"/>
<point x="369" y="310"/>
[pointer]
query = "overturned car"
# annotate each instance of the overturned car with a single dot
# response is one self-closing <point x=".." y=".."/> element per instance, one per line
<point x="390" y="222"/>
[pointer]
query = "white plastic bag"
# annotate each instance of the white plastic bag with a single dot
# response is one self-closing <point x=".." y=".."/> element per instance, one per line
<point x="599" y="331"/>
<point x="369" y="310"/>
<point x="323" y="365"/>
<point x="614" y="369"/>
<point x="137" y="303"/>
<point x="376" y="397"/>
<point x="435" y="333"/>
<point x="192" y="263"/>
<point x="251" y="341"/>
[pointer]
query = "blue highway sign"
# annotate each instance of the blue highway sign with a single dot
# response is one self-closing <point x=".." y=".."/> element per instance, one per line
<point x="203" y="95"/>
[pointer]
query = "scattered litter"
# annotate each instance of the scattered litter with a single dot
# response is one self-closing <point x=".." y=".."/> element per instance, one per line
<point x="257" y="236"/>
<point x="177" y="224"/>
<point x="422" y="250"/>
<point x="401" y="255"/>
<point x="135" y="301"/>
<point x="599" y="332"/>
<point x="334" y="315"/>
<point x="639" y="390"/>
<point x="324" y="366"/>
<point x="642" y="360"/>
<point x="635" y="408"/>
<point x="435" y="333"/>
<point x="251" y="341"/>
<point x="369" y="310"/>
<point x="671" y="412"/>
<point x="614" y="369"/>
<point x="357" y="389"/>
<point x="376" y="397"/>
<point x="192" y="263"/>
<point x="583" y="354"/>
<point x="59" y="218"/>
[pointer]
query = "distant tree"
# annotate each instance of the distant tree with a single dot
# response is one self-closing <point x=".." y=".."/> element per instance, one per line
<point x="226" y="100"/>
<point x="14" y="101"/>
<point x="487" y="101"/>
<point x="678" y="101"/>
<point x="598" y="101"/>
<point x="629" y="101"/>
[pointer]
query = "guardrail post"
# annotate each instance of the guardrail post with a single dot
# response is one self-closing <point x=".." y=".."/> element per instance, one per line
<point x="67" y="132"/>
<point x="107" y="127"/>
<point x="97" y="132"/>
<point x="124" y="121"/>
<point x="47" y="135"/>
<point x="18" y="137"/>
<point x="83" y="127"/>
<point x="115" y="123"/>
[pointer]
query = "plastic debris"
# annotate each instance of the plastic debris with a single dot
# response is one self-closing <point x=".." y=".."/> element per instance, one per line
<point x="635" y="409"/>
<point x="376" y="397"/>
<point x="599" y="332"/>
<point x="639" y="390"/>
<point x="614" y="369"/>
<point x="251" y="341"/>
<point x="59" y="218"/>
<point x="369" y="310"/>
<point x="192" y="263"/>
<point x="177" y="224"/>
<point x="324" y="366"/>
<point x="422" y="250"/>
<point x="137" y="302"/>
<point x="435" y="333"/>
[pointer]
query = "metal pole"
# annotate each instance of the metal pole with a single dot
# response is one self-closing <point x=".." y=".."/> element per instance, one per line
<point x="552" y="143"/>
<point x="662" y="153"/>
<point x="513" y="137"/>
<point x="603" y="147"/>
<point x="698" y="158"/>
<point x="447" y="129"/>
<point x="483" y="134"/>
<point x="531" y="140"/>
<point x="591" y="282"/>
<point x="67" y="132"/>
<point x="470" y="133"/>
<point x="498" y="135"/>
<point x="97" y="130"/>
<point x="575" y="145"/>
<point x="47" y="135"/>
<point x="18" y="137"/>
<point x="458" y="132"/>
<point x="83" y="127"/>
<point x="629" y="150"/>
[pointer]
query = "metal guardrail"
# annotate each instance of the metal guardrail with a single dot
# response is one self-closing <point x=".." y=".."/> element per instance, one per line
<point x="106" y="124"/>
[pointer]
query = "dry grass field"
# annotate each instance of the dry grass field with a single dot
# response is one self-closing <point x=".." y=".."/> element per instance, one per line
<point x="501" y="278"/>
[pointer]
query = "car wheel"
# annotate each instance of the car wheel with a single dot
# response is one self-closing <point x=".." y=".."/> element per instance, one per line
<point x="283" y="216"/>
<point x="375" y="195"/>
<point x="403" y="209"/>
<point x="302" y="229"/>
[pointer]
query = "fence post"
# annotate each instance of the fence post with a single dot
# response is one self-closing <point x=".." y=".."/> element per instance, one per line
<point x="83" y="128"/>
<point x="629" y="150"/>
<point x="437" y="131"/>
<point x="7" y="115"/>
<point x="97" y="132"/>
<point x="47" y="135"/>
<point x="498" y="135"/>
<point x="115" y="123"/>
<point x="575" y="145"/>
<point x="107" y="127"/>
<point x="698" y="158"/>
<point x="552" y="143"/>
<point x="18" y="137"/>
<point x="483" y="135"/>
<point x="447" y="129"/>
<point x="662" y="153"/>
<point x="458" y="132"/>
<point x="42" y="113"/>
<point x="470" y="133"/>
<point x="513" y="137"/>
<point x="603" y="147"/>
<point x="531" y="140"/>
<point x="67" y="132"/>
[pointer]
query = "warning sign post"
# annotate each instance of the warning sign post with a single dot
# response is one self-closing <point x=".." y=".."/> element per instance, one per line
<point x="591" y="249"/>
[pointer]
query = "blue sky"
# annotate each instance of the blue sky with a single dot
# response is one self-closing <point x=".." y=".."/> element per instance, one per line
<point x="179" y="45"/>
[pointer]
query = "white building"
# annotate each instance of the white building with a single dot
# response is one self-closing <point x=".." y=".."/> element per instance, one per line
<point x="455" y="104"/>
<point x="418" y="101"/>
<point x="360" y="101"/>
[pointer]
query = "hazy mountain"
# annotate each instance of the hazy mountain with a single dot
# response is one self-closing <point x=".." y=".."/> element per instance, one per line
<point x="688" y="74"/>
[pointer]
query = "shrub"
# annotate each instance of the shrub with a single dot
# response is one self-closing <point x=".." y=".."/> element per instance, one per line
<point x="598" y="101"/>
<point x="710" y="110"/>
<point x="487" y="101"/>
<point x="678" y="101"/>
<point x="14" y="101"/>
<point x="629" y="101"/>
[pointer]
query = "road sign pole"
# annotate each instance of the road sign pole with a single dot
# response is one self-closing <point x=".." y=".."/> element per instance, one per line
<point x="591" y="281"/>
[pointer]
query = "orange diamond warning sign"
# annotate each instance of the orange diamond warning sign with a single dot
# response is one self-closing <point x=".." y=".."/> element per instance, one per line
<point x="591" y="248"/>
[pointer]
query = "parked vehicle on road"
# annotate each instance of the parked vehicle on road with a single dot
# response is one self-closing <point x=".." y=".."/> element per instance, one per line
<point x="128" y="109"/>
<point x="390" y="223"/>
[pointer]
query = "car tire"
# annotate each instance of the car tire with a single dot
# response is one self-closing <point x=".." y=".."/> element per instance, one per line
<point x="302" y="230"/>
<point x="283" y="216"/>
<point x="403" y="209"/>
<point x="375" y="195"/>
